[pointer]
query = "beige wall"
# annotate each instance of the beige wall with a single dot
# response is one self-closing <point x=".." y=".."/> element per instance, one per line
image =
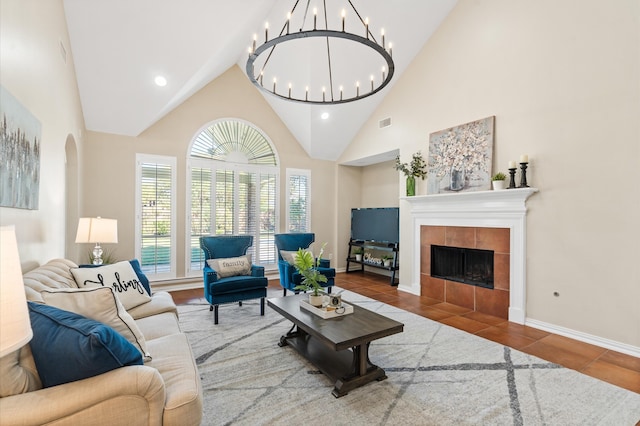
<point x="562" y="79"/>
<point x="33" y="71"/>
<point x="111" y="159"/>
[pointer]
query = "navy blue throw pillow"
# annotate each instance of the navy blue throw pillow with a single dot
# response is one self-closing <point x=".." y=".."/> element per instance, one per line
<point x="135" y="264"/>
<point x="68" y="347"/>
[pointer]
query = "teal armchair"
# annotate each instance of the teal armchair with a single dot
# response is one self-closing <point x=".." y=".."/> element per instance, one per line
<point x="289" y="276"/>
<point x="235" y="288"/>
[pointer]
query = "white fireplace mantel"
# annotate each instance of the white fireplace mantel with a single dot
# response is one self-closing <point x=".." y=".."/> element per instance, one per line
<point x="488" y="209"/>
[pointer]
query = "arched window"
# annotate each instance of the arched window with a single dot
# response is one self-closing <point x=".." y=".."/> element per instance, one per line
<point x="233" y="181"/>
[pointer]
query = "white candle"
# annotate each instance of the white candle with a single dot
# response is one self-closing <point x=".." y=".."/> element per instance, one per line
<point x="512" y="164"/>
<point x="524" y="158"/>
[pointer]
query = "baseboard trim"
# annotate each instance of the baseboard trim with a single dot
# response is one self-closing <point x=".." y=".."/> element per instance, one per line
<point x="585" y="337"/>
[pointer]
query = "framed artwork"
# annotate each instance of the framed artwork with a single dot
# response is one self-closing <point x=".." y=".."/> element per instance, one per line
<point x="20" y="134"/>
<point x="460" y="158"/>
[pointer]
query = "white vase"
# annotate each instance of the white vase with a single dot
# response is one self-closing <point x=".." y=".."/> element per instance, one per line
<point x="315" y="300"/>
<point x="497" y="185"/>
<point x="387" y="263"/>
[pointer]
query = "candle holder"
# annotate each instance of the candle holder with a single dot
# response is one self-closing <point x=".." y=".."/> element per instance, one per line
<point x="512" y="178"/>
<point x="523" y="176"/>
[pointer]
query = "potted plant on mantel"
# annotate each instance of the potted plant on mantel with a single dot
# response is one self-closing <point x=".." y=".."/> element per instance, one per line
<point x="307" y="266"/>
<point x="417" y="168"/>
<point x="498" y="181"/>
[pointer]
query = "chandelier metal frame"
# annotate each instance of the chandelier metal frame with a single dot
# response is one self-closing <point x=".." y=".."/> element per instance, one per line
<point x="285" y="36"/>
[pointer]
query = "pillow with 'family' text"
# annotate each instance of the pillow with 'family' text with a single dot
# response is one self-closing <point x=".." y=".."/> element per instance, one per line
<point x="231" y="266"/>
<point x="120" y="277"/>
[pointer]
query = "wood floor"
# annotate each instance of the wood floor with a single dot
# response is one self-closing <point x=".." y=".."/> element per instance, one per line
<point x="613" y="367"/>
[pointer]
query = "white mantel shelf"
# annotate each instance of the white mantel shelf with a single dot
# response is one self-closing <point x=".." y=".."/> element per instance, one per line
<point x="490" y="209"/>
<point x="503" y="200"/>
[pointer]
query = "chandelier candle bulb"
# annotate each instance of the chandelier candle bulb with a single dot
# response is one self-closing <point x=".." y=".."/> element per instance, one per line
<point x="255" y="38"/>
<point x="274" y="85"/>
<point x="372" y="82"/>
<point x="315" y="18"/>
<point x="289" y="90"/>
<point x="383" y="71"/>
<point x="323" y="93"/>
<point x="382" y="33"/>
<point x="357" y="88"/>
<point x="288" y="21"/>
<point x="266" y="32"/>
<point x="390" y="50"/>
<point x="340" y="92"/>
<point x="306" y="93"/>
<point x="343" y="15"/>
<point x="366" y="27"/>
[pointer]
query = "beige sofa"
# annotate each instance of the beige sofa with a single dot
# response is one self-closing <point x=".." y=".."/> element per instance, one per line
<point x="164" y="391"/>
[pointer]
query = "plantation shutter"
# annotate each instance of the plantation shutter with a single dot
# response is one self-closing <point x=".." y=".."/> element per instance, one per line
<point x="298" y="200"/>
<point x="155" y="227"/>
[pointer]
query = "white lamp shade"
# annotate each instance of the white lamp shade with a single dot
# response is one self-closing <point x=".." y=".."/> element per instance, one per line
<point x="97" y="230"/>
<point x="15" y="326"/>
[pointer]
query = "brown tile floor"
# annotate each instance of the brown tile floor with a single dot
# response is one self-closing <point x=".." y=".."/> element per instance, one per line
<point x="613" y="367"/>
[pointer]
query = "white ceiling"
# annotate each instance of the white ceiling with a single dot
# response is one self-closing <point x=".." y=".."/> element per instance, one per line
<point x="119" y="46"/>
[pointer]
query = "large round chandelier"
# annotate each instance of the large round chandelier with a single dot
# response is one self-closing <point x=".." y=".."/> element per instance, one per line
<point x="311" y="63"/>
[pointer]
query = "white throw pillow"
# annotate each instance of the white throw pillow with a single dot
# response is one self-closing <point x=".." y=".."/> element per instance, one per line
<point x="120" y="277"/>
<point x="100" y="304"/>
<point x="231" y="266"/>
<point x="290" y="256"/>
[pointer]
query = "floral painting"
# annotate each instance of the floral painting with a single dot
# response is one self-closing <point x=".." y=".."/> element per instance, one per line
<point x="20" y="153"/>
<point x="460" y="158"/>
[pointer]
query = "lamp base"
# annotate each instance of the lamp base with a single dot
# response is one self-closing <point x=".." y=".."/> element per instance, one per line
<point x="97" y="254"/>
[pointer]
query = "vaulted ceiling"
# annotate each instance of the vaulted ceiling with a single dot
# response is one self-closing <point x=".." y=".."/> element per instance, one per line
<point x="120" y="46"/>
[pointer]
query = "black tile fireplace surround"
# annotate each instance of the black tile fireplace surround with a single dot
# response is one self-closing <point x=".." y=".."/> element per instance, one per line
<point x="463" y="265"/>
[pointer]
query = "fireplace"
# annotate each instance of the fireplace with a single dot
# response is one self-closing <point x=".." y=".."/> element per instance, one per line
<point x="470" y="220"/>
<point x="463" y="265"/>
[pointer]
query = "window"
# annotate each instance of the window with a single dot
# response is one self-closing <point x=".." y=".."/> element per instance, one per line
<point x="155" y="242"/>
<point x="233" y="183"/>
<point x="298" y="200"/>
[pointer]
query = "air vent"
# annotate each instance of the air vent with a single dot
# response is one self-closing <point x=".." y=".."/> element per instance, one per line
<point x="385" y="123"/>
<point x="63" y="52"/>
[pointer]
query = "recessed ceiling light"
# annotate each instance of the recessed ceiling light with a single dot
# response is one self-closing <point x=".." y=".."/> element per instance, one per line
<point x="324" y="115"/>
<point x="160" y="81"/>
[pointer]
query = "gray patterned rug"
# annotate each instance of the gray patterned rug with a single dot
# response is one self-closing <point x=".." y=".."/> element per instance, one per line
<point x="437" y="375"/>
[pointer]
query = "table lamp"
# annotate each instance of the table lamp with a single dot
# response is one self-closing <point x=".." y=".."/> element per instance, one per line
<point x="97" y="230"/>
<point x="15" y="326"/>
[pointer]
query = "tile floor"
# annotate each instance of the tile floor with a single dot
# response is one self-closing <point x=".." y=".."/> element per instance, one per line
<point x="613" y="367"/>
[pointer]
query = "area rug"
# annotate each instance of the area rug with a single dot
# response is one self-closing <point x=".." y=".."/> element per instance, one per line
<point x="437" y="375"/>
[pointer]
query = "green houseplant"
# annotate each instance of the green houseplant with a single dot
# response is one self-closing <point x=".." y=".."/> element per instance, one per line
<point x="498" y="181"/>
<point x="307" y="266"/>
<point x="416" y="168"/>
<point x="386" y="260"/>
<point x="358" y="252"/>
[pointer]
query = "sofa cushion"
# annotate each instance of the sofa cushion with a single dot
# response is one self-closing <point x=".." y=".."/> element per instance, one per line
<point x="100" y="304"/>
<point x="68" y="347"/>
<point x="175" y="362"/>
<point x="231" y="266"/>
<point x="120" y="276"/>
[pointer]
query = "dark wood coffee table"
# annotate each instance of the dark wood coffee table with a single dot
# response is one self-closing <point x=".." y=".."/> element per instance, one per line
<point x="339" y="347"/>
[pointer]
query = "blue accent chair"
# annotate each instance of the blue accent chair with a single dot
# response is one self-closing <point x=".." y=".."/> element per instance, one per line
<point x="231" y="289"/>
<point x="289" y="275"/>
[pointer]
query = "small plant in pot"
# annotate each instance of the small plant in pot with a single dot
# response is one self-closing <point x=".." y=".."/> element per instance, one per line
<point x="307" y="266"/>
<point x="358" y="252"/>
<point x="498" y="181"/>
<point x="386" y="260"/>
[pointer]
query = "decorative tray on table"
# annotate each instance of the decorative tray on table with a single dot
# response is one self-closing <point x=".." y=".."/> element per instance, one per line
<point x="328" y="311"/>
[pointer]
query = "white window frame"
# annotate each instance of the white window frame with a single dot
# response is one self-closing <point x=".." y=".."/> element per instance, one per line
<point x="298" y="172"/>
<point x="172" y="163"/>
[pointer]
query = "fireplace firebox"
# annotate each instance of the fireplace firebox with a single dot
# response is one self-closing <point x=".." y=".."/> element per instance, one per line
<point x="463" y="265"/>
